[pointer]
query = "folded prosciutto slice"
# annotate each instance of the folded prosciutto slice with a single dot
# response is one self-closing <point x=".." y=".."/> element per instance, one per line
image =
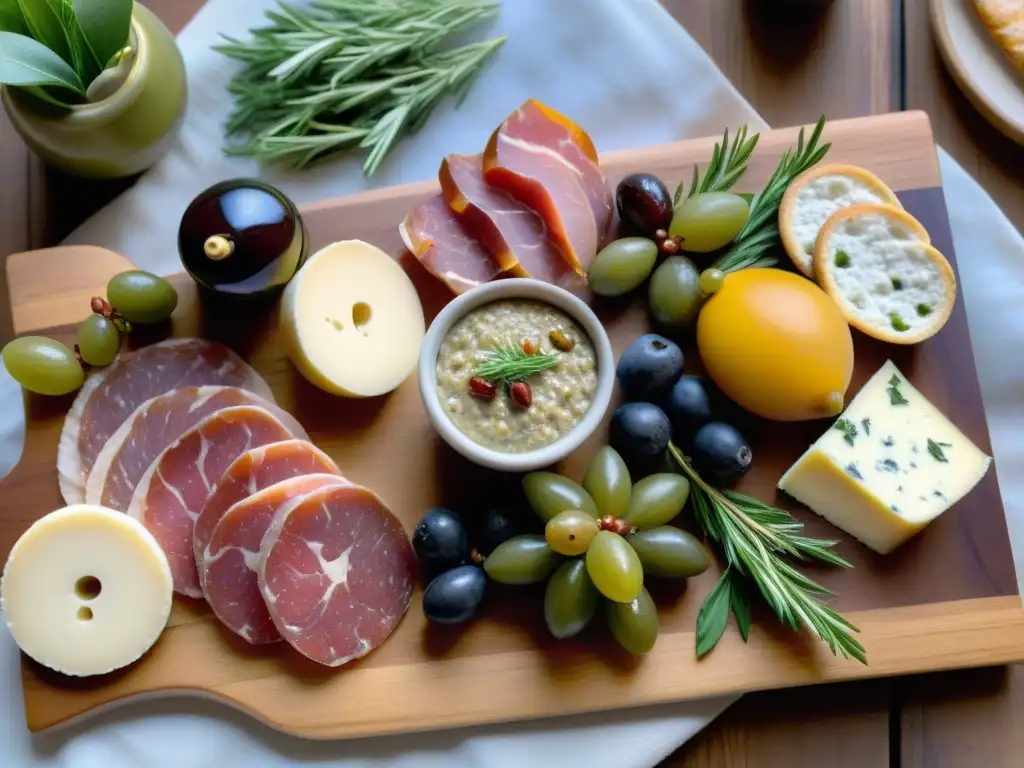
<point x="514" y="234"/>
<point x="112" y="394"/>
<point x="156" y="424"/>
<point x="337" y="573"/>
<point x="433" y="235"/>
<point x="229" y="564"/>
<point x="546" y="162"/>
<point x="174" y="489"/>
<point x="253" y="471"/>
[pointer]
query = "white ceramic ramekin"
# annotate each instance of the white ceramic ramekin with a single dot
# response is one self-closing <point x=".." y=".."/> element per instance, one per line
<point x="516" y="289"/>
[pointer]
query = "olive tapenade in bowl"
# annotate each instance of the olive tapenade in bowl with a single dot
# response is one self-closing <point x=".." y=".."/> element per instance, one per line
<point x="516" y="374"/>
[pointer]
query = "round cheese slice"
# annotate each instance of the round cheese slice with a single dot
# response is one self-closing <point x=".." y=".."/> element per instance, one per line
<point x="877" y="264"/>
<point x="351" y="320"/>
<point x="86" y="590"/>
<point x="814" y="196"/>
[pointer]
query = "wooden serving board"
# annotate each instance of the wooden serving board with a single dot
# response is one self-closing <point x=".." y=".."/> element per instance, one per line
<point x="947" y="599"/>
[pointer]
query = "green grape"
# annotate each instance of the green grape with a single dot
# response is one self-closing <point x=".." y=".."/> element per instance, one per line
<point x="570" y="599"/>
<point x="608" y="482"/>
<point x="622" y="265"/>
<point x="712" y="280"/>
<point x="614" y="567"/>
<point x="570" y="532"/>
<point x="522" y="560"/>
<point x="141" y="297"/>
<point x="550" y="494"/>
<point x="668" y="552"/>
<point x="674" y="293"/>
<point x="43" y="366"/>
<point x="709" y="221"/>
<point x="634" y="624"/>
<point x="657" y="499"/>
<point x="98" y="340"/>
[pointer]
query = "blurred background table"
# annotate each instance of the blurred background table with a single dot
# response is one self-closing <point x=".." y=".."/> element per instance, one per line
<point x="854" y="57"/>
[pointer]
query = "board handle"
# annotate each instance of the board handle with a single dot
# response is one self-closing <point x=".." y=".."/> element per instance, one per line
<point x="51" y="287"/>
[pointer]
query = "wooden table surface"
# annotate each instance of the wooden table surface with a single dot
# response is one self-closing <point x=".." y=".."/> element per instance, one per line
<point x="856" y="57"/>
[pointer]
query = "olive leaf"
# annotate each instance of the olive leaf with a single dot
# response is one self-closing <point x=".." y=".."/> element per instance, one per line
<point x="105" y="26"/>
<point x="44" y="25"/>
<point x="714" y="615"/>
<point x="27" y="62"/>
<point x="81" y="57"/>
<point x="11" y="19"/>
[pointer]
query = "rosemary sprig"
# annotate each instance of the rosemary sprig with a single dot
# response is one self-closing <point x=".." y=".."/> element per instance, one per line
<point x="728" y="162"/>
<point x="760" y="235"/>
<point x="510" y="363"/>
<point x="349" y="74"/>
<point x="755" y="538"/>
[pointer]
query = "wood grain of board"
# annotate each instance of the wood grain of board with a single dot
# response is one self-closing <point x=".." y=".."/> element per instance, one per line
<point x="931" y="606"/>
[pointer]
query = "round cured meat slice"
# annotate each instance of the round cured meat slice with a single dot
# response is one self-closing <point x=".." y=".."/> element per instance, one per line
<point x="253" y="471"/>
<point x="229" y="564"/>
<point x="337" y="573"/>
<point x="112" y="394"/>
<point x="174" y="489"/>
<point x="156" y="424"/>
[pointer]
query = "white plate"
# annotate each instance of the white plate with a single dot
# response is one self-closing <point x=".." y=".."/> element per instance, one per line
<point x="979" y="66"/>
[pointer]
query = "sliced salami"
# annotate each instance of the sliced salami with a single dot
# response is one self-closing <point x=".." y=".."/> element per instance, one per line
<point x="112" y="394"/>
<point x="153" y="426"/>
<point x="174" y="489"/>
<point x="337" y="573"/>
<point x="253" y="471"/>
<point x="228" y="567"/>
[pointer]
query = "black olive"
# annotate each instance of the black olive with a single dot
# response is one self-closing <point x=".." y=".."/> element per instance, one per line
<point x="720" y="454"/>
<point x="242" y="238"/>
<point x="644" y="203"/>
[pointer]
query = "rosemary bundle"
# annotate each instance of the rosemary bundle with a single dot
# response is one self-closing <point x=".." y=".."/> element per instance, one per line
<point x="760" y="235"/>
<point x="756" y="539"/>
<point x="728" y="163"/>
<point x="349" y="74"/>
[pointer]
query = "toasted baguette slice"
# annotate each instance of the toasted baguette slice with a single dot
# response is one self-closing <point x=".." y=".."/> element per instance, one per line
<point x="1004" y="20"/>
<point x="877" y="263"/>
<point x="816" y="195"/>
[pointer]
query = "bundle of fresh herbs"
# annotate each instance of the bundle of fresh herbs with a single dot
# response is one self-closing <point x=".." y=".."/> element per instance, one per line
<point x="56" y="49"/>
<point x="350" y="73"/>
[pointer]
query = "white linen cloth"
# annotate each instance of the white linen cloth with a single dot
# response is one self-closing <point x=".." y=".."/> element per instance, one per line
<point x="633" y="77"/>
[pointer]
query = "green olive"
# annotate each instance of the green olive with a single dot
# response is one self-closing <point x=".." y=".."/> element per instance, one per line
<point x="570" y="599"/>
<point x="657" y="499"/>
<point x="43" y="366"/>
<point x="141" y="297"/>
<point x="522" y="560"/>
<point x="635" y="624"/>
<point x="668" y="552"/>
<point x="608" y="482"/>
<point x="675" y="295"/>
<point x="622" y="265"/>
<point x="550" y="494"/>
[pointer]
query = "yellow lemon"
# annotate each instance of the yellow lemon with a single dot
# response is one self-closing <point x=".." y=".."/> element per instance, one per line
<point x="777" y="345"/>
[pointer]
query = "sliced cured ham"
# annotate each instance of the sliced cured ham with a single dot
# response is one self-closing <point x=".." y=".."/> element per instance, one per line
<point x="336" y="573"/>
<point x="112" y="394"/>
<point x="543" y="160"/>
<point x="229" y="565"/>
<point x="153" y="426"/>
<point x="176" y="486"/>
<point x="514" y="234"/>
<point x="434" y="236"/>
<point x="250" y="473"/>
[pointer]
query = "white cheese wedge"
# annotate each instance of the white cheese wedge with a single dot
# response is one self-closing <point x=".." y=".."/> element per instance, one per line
<point x="86" y="590"/>
<point x="887" y="468"/>
<point x="352" y="321"/>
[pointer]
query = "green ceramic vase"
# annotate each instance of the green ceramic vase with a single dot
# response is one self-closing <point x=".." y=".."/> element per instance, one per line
<point x="124" y="133"/>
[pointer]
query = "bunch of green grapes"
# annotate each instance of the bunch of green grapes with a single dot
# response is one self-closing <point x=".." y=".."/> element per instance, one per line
<point x="47" y="367"/>
<point x="600" y="540"/>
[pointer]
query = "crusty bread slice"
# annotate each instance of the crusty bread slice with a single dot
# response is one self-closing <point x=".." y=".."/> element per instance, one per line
<point x="1004" y="20"/>
<point x="877" y="263"/>
<point x="814" y="196"/>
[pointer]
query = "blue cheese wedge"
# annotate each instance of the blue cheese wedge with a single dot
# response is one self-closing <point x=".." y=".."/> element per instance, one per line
<point x="877" y="265"/>
<point x="816" y="195"/>
<point x="888" y="467"/>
